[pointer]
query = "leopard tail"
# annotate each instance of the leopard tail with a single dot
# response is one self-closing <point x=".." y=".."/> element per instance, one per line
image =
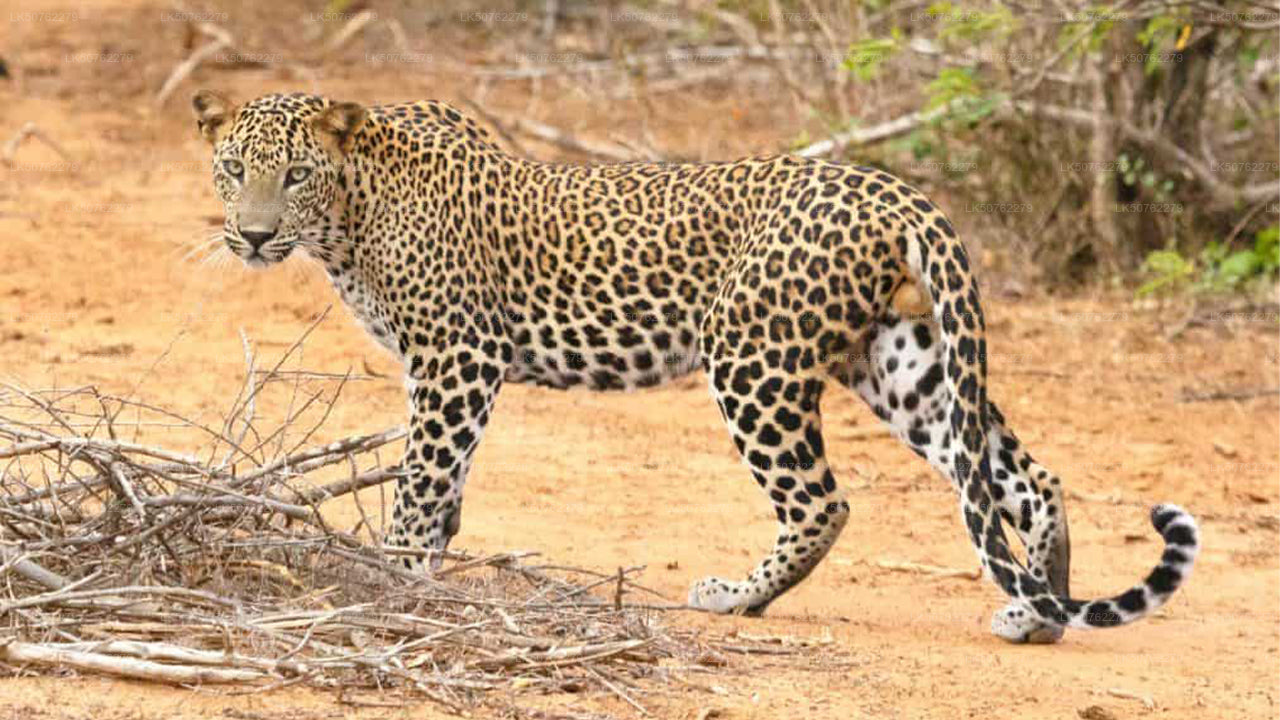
<point x="939" y="263"/>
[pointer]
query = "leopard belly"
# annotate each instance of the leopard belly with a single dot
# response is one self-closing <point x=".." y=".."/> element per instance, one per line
<point x="601" y="355"/>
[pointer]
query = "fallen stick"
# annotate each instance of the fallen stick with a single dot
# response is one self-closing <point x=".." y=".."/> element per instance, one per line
<point x="27" y="448"/>
<point x="310" y="459"/>
<point x="60" y="655"/>
<point x="116" y="628"/>
<point x="73" y="445"/>
<point x="350" y="485"/>
<point x="562" y="139"/>
<point x="297" y="512"/>
<point x="923" y="569"/>
<point x="559" y="657"/>
<point x="791" y="640"/>
<point x="30" y="130"/>
<point x="622" y="694"/>
<point x="1235" y="395"/>
<point x="221" y="41"/>
<point x="125" y="487"/>
<point x="876" y="133"/>
<point x="499" y="559"/>
<point x="750" y="650"/>
<point x="348" y="31"/>
<point x="167" y="652"/>
<point x="1146" y="701"/>
<point x="59" y="597"/>
<point x="32" y="571"/>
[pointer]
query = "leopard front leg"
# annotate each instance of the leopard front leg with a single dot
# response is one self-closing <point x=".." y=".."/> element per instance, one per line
<point x="899" y="374"/>
<point x="450" y="397"/>
<point x="764" y="350"/>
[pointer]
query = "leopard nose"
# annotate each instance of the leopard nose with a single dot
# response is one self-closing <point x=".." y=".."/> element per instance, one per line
<point x="257" y="237"/>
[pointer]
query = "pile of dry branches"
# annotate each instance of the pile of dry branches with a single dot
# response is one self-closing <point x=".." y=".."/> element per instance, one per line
<point x="129" y="559"/>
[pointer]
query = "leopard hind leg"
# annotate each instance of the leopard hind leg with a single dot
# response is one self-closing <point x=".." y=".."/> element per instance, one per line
<point x="775" y="423"/>
<point x="898" y="371"/>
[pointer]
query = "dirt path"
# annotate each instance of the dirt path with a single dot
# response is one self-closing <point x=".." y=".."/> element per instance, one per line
<point x="94" y="288"/>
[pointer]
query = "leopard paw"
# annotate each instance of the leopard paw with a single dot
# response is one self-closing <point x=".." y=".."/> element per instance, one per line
<point x="1018" y="624"/>
<point x="723" y="597"/>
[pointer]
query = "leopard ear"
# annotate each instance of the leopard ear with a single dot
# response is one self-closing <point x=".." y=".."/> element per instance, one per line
<point x="214" y="114"/>
<point x="338" y="124"/>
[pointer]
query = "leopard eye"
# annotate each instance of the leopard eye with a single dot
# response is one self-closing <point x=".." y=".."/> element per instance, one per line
<point x="297" y="174"/>
<point x="234" y="168"/>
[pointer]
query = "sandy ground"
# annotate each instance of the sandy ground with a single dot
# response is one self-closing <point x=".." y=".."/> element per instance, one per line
<point x="96" y="288"/>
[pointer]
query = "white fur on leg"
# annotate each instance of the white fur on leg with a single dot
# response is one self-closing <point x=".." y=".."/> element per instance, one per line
<point x="1019" y="624"/>
<point x="723" y="597"/>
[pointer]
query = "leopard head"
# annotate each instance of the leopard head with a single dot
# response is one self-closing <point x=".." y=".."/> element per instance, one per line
<point x="277" y="167"/>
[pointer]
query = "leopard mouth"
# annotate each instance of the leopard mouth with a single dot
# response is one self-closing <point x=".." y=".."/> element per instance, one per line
<point x="263" y="256"/>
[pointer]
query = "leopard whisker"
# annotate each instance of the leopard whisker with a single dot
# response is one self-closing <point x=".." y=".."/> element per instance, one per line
<point x="209" y="244"/>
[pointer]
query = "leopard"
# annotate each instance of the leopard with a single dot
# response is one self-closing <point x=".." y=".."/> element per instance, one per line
<point x="776" y="276"/>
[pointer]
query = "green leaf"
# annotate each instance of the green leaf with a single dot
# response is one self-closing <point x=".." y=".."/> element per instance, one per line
<point x="1159" y="28"/>
<point x="1168" y="262"/>
<point x="921" y="145"/>
<point x="1151" y="286"/>
<point x="865" y="58"/>
<point x="1239" y="266"/>
<point x="1213" y="253"/>
<point x="1268" y="238"/>
<point x="1267" y="248"/>
<point x="974" y="25"/>
<point x="952" y="83"/>
<point x="1169" y="267"/>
